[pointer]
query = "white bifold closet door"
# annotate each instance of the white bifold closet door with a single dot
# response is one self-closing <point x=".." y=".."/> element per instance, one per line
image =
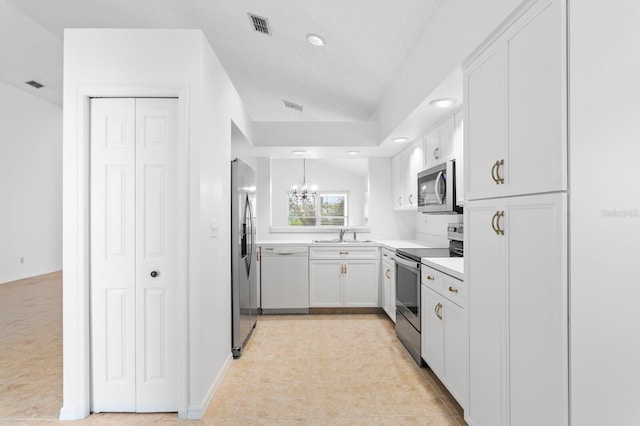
<point x="133" y="255"/>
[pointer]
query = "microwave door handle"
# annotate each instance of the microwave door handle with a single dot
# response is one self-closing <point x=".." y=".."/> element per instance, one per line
<point x="437" y="185"/>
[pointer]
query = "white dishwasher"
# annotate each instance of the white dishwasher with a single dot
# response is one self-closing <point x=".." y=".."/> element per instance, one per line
<point x="285" y="280"/>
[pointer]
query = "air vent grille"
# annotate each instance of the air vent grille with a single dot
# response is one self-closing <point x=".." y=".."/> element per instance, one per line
<point x="260" y="24"/>
<point x="34" y="84"/>
<point x="289" y="104"/>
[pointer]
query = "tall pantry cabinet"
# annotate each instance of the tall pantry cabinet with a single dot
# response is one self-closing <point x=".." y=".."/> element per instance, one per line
<point x="515" y="148"/>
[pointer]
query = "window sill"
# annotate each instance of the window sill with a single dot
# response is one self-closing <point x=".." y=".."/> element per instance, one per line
<point x="317" y="229"/>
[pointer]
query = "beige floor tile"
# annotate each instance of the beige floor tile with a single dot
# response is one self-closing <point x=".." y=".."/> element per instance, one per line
<point x="296" y="369"/>
<point x="341" y="400"/>
<point x="419" y="421"/>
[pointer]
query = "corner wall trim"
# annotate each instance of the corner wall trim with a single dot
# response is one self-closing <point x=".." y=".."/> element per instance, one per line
<point x="196" y="412"/>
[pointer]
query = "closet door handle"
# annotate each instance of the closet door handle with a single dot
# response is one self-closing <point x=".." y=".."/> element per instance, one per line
<point x="154" y="274"/>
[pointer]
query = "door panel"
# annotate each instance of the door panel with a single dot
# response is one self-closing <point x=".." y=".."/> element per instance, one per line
<point x="156" y="351"/>
<point x="486" y="284"/>
<point x="133" y="232"/>
<point x="113" y="262"/>
<point x="485" y="120"/>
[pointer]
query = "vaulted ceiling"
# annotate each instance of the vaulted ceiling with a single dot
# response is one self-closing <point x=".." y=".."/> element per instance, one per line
<point x="367" y="42"/>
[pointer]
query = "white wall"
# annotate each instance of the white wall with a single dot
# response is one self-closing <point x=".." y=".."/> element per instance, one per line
<point x="135" y="62"/>
<point x="287" y="172"/>
<point x="453" y="33"/>
<point x="604" y="212"/>
<point x="30" y="185"/>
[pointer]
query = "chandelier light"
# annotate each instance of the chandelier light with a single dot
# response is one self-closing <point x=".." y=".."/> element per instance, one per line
<point x="303" y="193"/>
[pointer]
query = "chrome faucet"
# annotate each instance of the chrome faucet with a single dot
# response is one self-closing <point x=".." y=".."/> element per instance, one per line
<point x="342" y="232"/>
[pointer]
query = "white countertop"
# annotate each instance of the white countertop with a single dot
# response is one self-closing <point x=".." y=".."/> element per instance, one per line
<point x="390" y="244"/>
<point x="453" y="266"/>
<point x="396" y="244"/>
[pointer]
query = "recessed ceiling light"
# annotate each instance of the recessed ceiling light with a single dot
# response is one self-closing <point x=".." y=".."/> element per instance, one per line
<point x="299" y="151"/>
<point x="315" y="39"/>
<point x="353" y="152"/>
<point x="400" y="139"/>
<point x="443" y="102"/>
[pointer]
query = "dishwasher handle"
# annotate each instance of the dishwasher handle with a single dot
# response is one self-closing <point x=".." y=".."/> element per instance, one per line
<point x="284" y="251"/>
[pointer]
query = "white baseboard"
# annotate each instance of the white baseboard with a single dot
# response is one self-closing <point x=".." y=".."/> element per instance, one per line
<point x="196" y="412"/>
<point x="71" y="413"/>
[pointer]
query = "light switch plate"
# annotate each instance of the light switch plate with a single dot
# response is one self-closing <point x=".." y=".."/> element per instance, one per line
<point x="213" y="229"/>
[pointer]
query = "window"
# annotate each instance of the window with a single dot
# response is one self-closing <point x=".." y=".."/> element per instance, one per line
<point x="324" y="209"/>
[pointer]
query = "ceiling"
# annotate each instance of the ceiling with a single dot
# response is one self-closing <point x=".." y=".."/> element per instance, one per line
<point x="367" y="41"/>
<point x="367" y="44"/>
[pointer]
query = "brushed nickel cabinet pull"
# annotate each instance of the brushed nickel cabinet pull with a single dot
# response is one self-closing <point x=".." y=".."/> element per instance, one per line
<point x="493" y="173"/>
<point x="493" y="222"/>
<point x="430" y="278"/>
<point x="410" y="200"/>
<point x="453" y="290"/>
<point x="499" y="230"/>
<point x="500" y="178"/>
<point x="344" y="252"/>
<point x="399" y="201"/>
<point x="388" y="273"/>
<point x="437" y="311"/>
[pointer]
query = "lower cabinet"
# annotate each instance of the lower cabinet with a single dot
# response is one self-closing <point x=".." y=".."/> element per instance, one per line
<point x="518" y="329"/>
<point x="444" y="341"/>
<point x="388" y="279"/>
<point x="344" y="282"/>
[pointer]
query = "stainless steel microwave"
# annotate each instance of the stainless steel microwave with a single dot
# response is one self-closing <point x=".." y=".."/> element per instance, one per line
<point x="437" y="189"/>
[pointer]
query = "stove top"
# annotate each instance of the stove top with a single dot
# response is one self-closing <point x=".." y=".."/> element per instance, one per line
<point x="418" y="253"/>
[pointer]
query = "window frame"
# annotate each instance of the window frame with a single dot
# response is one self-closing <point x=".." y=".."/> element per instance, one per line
<point x="318" y="211"/>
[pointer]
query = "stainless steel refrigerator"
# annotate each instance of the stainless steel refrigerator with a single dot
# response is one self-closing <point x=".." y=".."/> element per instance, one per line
<point x="244" y="283"/>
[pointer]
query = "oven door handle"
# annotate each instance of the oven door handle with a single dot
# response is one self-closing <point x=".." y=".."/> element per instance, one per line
<point x="408" y="263"/>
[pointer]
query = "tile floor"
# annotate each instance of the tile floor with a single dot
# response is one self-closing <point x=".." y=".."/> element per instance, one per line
<point x="311" y="370"/>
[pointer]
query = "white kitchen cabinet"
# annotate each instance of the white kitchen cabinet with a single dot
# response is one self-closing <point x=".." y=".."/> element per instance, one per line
<point x="515" y="106"/>
<point x="388" y="279"/>
<point x="404" y="171"/>
<point x="517" y="305"/>
<point x="441" y="144"/>
<point x="444" y="330"/>
<point x="344" y="276"/>
<point x="325" y="283"/>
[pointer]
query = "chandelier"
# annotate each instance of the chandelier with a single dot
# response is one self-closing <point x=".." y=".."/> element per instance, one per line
<point x="303" y="194"/>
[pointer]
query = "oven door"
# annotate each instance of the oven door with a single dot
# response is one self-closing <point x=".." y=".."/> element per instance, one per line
<point x="436" y="189"/>
<point x="408" y="290"/>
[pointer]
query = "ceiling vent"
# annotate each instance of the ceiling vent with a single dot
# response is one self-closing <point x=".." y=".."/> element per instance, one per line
<point x="260" y="24"/>
<point x="291" y="105"/>
<point x="34" y="84"/>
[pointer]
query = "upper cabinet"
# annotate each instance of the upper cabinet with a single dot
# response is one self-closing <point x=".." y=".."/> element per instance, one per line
<point x="440" y="144"/>
<point x="404" y="171"/>
<point x="515" y="107"/>
<point x="445" y="143"/>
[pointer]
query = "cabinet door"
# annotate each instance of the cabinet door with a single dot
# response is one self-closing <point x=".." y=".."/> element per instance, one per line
<point x="397" y="173"/>
<point x="485" y="116"/>
<point x="392" y="293"/>
<point x="455" y="351"/>
<point x="386" y="288"/>
<point x="325" y="283"/>
<point x="458" y="141"/>
<point x="416" y="165"/>
<point x="360" y="283"/>
<point x="447" y="142"/>
<point x="535" y="233"/>
<point x="432" y="152"/>
<point x="485" y="280"/>
<point x="432" y="333"/>
<point x="536" y="64"/>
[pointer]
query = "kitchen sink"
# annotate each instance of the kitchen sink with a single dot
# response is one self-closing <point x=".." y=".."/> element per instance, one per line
<point x="337" y="241"/>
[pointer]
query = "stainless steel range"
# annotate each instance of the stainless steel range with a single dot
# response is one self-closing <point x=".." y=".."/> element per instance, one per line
<point x="408" y="266"/>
